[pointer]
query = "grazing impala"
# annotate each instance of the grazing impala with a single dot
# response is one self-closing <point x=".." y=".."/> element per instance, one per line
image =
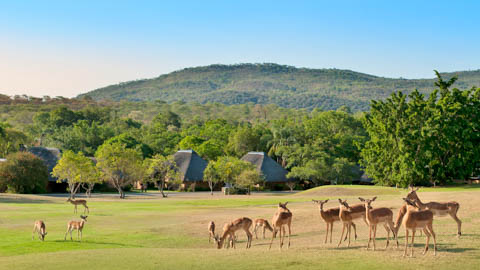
<point x="39" y="227"/>
<point x="260" y="222"/>
<point x="230" y="229"/>
<point x="77" y="202"/>
<point x="283" y="217"/>
<point x="330" y="216"/>
<point x="211" y="231"/>
<point x="377" y="216"/>
<point x="76" y="225"/>
<point x="418" y="219"/>
<point x="438" y="208"/>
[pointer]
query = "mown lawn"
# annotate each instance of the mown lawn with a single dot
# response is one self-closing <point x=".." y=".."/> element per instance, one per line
<point x="154" y="233"/>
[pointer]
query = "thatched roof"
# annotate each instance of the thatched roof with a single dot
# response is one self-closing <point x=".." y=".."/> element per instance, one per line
<point x="49" y="155"/>
<point x="190" y="164"/>
<point x="271" y="170"/>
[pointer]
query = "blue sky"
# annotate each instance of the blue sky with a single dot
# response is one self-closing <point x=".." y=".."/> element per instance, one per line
<point x="70" y="47"/>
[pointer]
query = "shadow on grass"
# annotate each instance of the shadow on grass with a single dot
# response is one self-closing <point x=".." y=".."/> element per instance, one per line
<point x="96" y="243"/>
<point x="19" y="199"/>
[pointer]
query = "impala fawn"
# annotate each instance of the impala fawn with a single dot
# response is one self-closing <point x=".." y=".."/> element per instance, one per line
<point x="76" y="225"/>
<point x="39" y="227"/>
<point x="330" y="216"/>
<point x="376" y="216"/>
<point x="260" y="222"/>
<point x="283" y="217"/>
<point x="230" y="229"/>
<point x="418" y="219"/>
<point x="77" y="202"/>
<point x="438" y="208"/>
<point x="211" y="231"/>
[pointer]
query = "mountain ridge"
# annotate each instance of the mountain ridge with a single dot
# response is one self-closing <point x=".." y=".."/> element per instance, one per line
<point x="267" y="83"/>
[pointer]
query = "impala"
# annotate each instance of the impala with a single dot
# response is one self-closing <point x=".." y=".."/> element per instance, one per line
<point x="77" y="202"/>
<point x="418" y="219"/>
<point x="39" y="227"/>
<point x="230" y="229"/>
<point x="260" y="222"/>
<point x="438" y="208"/>
<point x="211" y="231"/>
<point x="377" y="216"/>
<point x="330" y="216"/>
<point x="76" y="225"/>
<point x="283" y="217"/>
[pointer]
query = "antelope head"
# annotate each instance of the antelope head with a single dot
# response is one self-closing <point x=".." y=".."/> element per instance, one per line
<point x="412" y="194"/>
<point x="84" y="218"/>
<point x="320" y="203"/>
<point x="344" y="204"/>
<point x="219" y="241"/>
<point x="367" y="202"/>
<point x="283" y="206"/>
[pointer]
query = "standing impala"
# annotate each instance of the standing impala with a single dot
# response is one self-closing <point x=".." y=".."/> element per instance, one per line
<point x="77" y="202"/>
<point x="377" y="216"/>
<point x="230" y="229"/>
<point x="211" y="231"/>
<point x="76" y="225"/>
<point x="438" y="208"/>
<point x="283" y="217"/>
<point x="39" y="227"/>
<point x="330" y="216"/>
<point x="418" y="219"/>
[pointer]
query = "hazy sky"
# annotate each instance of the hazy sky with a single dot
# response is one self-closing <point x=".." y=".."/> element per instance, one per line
<point x="70" y="47"/>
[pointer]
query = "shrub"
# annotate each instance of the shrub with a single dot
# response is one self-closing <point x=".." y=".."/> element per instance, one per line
<point x="23" y="172"/>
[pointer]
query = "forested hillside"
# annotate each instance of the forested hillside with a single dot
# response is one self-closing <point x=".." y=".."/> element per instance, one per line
<point x="285" y="86"/>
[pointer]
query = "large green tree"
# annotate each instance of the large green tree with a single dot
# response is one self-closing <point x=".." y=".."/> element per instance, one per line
<point x="23" y="172"/>
<point x="119" y="165"/>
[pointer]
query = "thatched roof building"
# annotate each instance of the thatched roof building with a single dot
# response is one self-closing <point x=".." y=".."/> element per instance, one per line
<point x="271" y="170"/>
<point x="190" y="164"/>
<point x="49" y="155"/>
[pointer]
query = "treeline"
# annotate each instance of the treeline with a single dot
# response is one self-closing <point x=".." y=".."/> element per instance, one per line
<point x="402" y="140"/>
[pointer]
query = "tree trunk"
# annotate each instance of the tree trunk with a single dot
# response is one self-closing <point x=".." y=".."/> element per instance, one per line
<point x="210" y="184"/>
<point x="121" y="193"/>
<point x="160" y="187"/>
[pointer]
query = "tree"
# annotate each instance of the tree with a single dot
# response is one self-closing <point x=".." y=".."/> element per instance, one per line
<point x="248" y="178"/>
<point x="162" y="170"/>
<point x="78" y="170"/>
<point x="119" y="165"/>
<point x="229" y="168"/>
<point x="10" y="139"/>
<point x="414" y="140"/>
<point x="211" y="175"/>
<point x="23" y="172"/>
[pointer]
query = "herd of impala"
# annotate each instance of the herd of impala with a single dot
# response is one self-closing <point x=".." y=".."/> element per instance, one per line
<point x="40" y="228"/>
<point x="414" y="214"/>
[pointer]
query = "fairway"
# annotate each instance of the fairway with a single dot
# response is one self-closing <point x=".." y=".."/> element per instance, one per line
<point x="149" y="232"/>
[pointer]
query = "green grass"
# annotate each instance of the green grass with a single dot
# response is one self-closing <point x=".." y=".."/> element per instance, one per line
<point x="171" y="234"/>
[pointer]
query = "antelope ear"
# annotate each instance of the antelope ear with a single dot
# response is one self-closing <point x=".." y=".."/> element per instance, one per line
<point x="417" y="189"/>
<point x="279" y="204"/>
<point x="361" y="199"/>
<point x="285" y="204"/>
<point x="374" y="198"/>
<point x="46" y="233"/>
<point x="340" y="200"/>
<point x="326" y="201"/>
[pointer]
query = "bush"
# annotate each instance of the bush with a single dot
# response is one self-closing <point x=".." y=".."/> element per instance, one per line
<point x="23" y="172"/>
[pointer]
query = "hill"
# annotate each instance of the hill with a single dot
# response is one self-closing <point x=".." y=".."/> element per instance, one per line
<point x="285" y="86"/>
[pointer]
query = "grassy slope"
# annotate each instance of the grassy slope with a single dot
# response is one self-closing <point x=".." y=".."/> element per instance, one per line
<point x="270" y="83"/>
<point x="171" y="234"/>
